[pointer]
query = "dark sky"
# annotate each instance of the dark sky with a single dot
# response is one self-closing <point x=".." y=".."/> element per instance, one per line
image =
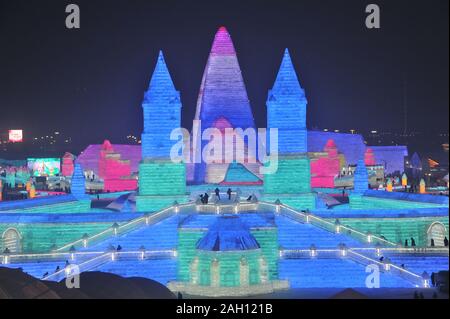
<point x="89" y="83"/>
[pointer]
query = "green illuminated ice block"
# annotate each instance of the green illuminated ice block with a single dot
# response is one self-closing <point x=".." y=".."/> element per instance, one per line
<point x="161" y="182"/>
<point x="291" y="183"/>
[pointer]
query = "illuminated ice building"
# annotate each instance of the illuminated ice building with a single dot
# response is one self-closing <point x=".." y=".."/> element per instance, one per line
<point x="278" y="231"/>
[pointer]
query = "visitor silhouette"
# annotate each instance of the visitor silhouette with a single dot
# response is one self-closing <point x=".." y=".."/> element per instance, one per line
<point x="229" y="193"/>
<point x="446" y="241"/>
<point x="217" y="191"/>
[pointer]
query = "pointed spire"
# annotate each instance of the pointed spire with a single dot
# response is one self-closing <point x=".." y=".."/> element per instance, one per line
<point x="223" y="44"/>
<point x="222" y="93"/>
<point x="161" y="85"/>
<point x="361" y="178"/>
<point x="286" y="83"/>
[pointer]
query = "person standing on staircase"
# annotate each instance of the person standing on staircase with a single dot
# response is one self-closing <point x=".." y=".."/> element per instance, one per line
<point x="217" y="191"/>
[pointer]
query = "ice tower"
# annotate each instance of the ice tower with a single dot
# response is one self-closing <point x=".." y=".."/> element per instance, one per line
<point x="78" y="184"/>
<point x="222" y="93"/>
<point x="360" y="185"/>
<point x="161" y="181"/>
<point x="286" y="111"/>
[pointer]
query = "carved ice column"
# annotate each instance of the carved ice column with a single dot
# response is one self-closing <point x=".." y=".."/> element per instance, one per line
<point x="215" y="273"/>
<point x="194" y="271"/>
<point x="263" y="270"/>
<point x="244" y="272"/>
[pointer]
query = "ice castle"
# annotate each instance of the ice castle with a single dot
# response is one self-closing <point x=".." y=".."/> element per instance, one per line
<point x="273" y="232"/>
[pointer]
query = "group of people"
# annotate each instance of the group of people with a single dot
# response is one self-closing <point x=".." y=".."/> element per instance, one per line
<point x="413" y="242"/>
<point x="432" y="243"/>
<point x="204" y="198"/>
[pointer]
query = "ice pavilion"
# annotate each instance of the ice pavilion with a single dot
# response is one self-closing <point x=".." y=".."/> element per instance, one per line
<point x="276" y="232"/>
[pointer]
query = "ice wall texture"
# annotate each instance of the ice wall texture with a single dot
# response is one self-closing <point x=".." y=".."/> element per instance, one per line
<point x="392" y="157"/>
<point x="351" y="145"/>
<point x="78" y="183"/>
<point x="286" y="109"/>
<point x="361" y="183"/>
<point x="162" y="112"/>
<point x="222" y="92"/>
<point x="324" y="169"/>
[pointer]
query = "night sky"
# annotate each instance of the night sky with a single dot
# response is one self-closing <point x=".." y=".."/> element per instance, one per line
<point x="89" y="83"/>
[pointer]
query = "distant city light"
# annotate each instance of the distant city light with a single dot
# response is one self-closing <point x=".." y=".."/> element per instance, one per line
<point x="15" y="136"/>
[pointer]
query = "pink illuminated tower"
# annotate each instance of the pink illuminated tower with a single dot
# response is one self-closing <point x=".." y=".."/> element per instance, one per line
<point x="324" y="169"/>
<point x="369" y="157"/>
<point x="116" y="173"/>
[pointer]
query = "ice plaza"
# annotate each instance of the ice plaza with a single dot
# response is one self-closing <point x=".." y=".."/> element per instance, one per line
<point x="319" y="220"/>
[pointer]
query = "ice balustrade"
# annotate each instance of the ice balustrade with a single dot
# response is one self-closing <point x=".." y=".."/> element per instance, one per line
<point x="234" y="207"/>
<point x="110" y="256"/>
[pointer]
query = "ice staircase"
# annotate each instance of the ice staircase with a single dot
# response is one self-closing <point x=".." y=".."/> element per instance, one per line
<point x="296" y="235"/>
<point x="160" y="236"/>
<point x="419" y="264"/>
<point x="39" y="269"/>
<point x="332" y="273"/>
<point x="160" y="270"/>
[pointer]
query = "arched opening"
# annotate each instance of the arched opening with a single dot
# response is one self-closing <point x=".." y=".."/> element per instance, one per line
<point x="12" y="240"/>
<point x="437" y="232"/>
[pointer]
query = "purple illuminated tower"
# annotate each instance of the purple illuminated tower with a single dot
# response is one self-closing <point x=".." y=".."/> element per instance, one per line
<point x="222" y="92"/>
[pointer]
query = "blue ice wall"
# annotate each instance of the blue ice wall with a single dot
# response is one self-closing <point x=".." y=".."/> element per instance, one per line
<point x="286" y="109"/>
<point x="361" y="183"/>
<point x="78" y="183"/>
<point x="162" y="113"/>
<point x="332" y="273"/>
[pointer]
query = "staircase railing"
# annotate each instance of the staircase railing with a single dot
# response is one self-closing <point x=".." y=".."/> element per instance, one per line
<point x="306" y="217"/>
<point x="82" y="267"/>
<point x="116" y="230"/>
<point x="387" y="267"/>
